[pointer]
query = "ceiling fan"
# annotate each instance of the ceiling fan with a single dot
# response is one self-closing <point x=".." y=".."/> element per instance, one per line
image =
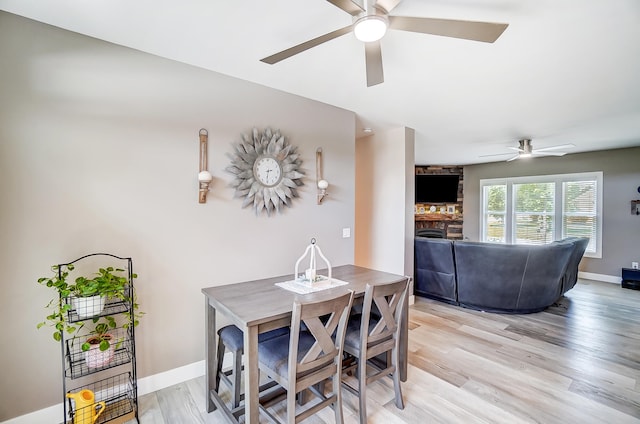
<point x="525" y="149"/>
<point x="371" y="20"/>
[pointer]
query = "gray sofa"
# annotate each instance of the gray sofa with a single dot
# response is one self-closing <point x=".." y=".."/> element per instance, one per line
<point x="496" y="277"/>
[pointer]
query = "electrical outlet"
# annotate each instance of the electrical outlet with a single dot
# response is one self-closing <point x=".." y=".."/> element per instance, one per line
<point x="346" y="232"/>
<point x="634" y="265"/>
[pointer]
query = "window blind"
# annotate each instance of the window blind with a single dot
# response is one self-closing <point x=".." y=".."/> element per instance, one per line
<point x="534" y="207"/>
<point x="579" y="214"/>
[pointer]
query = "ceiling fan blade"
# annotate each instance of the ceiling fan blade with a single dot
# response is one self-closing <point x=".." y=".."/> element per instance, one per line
<point x="495" y="154"/>
<point x="352" y="7"/>
<point x="487" y="32"/>
<point x="285" y="54"/>
<point x="517" y="149"/>
<point x="561" y="146"/>
<point x="539" y="153"/>
<point x="373" y="57"/>
<point x="513" y="158"/>
<point x="387" y="5"/>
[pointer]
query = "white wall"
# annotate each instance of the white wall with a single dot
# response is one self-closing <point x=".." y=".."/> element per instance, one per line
<point x="384" y="201"/>
<point x="99" y="152"/>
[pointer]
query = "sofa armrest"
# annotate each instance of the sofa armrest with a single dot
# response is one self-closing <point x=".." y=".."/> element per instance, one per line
<point x="570" y="277"/>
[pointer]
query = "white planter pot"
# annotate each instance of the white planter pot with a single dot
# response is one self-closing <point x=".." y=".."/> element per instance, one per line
<point x="87" y="307"/>
<point x="95" y="358"/>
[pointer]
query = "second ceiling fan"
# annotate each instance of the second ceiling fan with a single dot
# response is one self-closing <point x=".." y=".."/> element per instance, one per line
<point x="371" y="20"/>
<point x="525" y="150"/>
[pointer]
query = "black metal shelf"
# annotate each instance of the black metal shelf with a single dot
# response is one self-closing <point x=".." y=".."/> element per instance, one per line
<point x="118" y="393"/>
<point x="79" y="366"/>
<point x="111" y="307"/>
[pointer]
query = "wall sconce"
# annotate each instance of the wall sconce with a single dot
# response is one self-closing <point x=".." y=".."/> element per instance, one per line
<point x="204" y="176"/>
<point x="321" y="183"/>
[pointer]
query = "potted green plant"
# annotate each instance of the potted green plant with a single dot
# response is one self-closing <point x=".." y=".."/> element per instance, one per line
<point x="99" y="347"/>
<point x="86" y="300"/>
<point x="87" y="297"/>
<point x="59" y="306"/>
<point x="90" y="294"/>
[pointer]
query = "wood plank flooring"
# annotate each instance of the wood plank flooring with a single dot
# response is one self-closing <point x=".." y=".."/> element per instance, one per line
<point x="576" y="362"/>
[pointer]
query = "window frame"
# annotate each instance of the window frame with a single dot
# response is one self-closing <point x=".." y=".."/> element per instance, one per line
<point x="559" y="209"/>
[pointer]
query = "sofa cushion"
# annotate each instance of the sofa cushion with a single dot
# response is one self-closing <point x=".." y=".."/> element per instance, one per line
<point x="542" y="279"/>
<point x="490" y="275"/>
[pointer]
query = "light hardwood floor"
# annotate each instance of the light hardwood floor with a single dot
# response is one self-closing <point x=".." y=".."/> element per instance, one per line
<point x="576" y="362"/>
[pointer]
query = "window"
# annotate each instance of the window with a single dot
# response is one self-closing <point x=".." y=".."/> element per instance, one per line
<point x="538" y="210"/>
<point x="495" y="213"/>
<point x="533" y="213"/>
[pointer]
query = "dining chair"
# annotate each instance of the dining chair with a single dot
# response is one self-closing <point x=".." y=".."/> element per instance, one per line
<point x="231" y="338"/>
<point x="309" y="357"/>
<point x="370" y="335"/>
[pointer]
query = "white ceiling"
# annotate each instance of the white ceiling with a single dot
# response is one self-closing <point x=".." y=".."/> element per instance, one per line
<point x="564" y="71"/>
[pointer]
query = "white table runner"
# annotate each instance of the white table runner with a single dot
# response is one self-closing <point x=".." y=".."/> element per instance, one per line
<point x="304" y="287"/>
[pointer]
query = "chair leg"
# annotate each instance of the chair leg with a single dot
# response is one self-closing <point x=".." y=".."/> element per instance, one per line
<point x="396" y="382"/>
<point x="362" y="389"/>
<point x="221" y="349"/>
<point x="237" y="377"/>
<point x="337" y="391"/>
<point x="291" y="406"/>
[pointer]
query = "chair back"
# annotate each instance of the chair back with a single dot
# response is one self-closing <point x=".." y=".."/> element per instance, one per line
<point x="317" y="354"/>
<point x="381" y="334"/>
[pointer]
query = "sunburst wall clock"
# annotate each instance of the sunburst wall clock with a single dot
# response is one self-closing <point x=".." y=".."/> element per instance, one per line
<point x="267" y="171"/>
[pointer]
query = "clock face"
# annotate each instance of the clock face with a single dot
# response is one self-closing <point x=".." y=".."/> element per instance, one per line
<point x="267" y="170"/>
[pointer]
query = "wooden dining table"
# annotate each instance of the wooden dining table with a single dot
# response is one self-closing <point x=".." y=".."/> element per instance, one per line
<point x="259" y="306"/>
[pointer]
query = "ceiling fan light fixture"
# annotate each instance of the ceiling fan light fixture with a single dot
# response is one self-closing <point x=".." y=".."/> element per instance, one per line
<point x="370" y="28"/>
<point x="526" y="149"/>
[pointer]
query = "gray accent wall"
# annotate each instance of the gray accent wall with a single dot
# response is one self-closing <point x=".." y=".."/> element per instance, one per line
<point x="99" y="153"/>
<point x="621" y="179"/>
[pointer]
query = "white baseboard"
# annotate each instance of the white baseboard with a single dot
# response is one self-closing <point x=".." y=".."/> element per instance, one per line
<point x="159" y="381"/>
<point x="152" y="383"/>
<point x="600" y="277"/>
